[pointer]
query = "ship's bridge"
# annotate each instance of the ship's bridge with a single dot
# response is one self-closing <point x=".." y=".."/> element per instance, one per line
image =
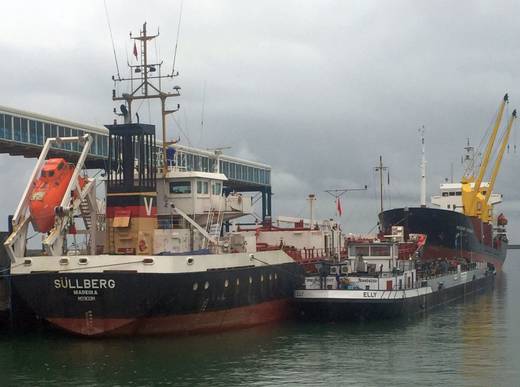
<point x="24" y="133"/>
<point x="451" y="196"/>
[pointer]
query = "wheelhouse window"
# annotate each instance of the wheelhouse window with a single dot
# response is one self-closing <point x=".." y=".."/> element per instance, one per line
<point x="181" y="160"/>
<point x="189" y="162"/>
<point x="180" y="187"/>
<point x="202" y="187"/>
<point x="217" y="188"/>
<point x="380" y="251"/>
<point x="205" y="164"/>
<point x="355" y="250"/>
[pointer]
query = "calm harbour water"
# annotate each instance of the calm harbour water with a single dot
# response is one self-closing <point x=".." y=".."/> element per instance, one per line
<point x="471" y="343"/>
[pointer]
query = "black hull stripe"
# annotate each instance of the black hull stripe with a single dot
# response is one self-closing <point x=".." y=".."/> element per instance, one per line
<point x="131" y="295"/>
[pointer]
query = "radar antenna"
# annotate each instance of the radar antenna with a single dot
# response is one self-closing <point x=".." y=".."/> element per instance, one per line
<point x="148" y="78"/>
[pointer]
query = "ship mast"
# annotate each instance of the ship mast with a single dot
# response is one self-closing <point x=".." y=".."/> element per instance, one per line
<point x="380" y="168"/>
<point x="423" y="170"/>
<point x="148" y="78"/>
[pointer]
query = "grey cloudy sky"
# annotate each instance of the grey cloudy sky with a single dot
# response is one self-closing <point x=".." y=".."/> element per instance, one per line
<point x="316" y="89"/>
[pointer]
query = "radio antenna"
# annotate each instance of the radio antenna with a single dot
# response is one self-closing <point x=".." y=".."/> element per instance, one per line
<point x="149" y="87"/>
<point x="177" y="42"/>
<point x="112" y="38"/>
<point x="381" y="168"/>
<point x="202" y="110"/>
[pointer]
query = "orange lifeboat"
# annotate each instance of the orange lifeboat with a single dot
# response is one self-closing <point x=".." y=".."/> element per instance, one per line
<point x="48" y="192"/>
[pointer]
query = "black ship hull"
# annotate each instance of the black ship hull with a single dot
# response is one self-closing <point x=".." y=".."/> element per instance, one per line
<point x="131" y="303"/>
<point x="449" y="234"/>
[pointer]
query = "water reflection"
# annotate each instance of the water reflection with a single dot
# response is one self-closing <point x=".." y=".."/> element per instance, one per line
<point x="481" y="322"/>
<point x="475" y="342"/>
<point x="137" y="361"/>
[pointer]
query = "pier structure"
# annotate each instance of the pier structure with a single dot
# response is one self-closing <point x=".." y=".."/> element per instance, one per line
<point x="24" y="133"/>
<point x="5" y="290"/>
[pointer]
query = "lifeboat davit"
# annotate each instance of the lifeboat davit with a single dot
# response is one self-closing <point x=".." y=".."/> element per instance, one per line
<point x="48" y="192"/>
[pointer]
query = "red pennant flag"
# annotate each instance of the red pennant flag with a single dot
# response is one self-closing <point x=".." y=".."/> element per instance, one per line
<point x="338" y="207"/>
<point x="135" y="50"/>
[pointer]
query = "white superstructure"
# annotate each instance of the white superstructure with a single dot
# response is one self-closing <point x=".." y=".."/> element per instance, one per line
<point x="450" y="197"/>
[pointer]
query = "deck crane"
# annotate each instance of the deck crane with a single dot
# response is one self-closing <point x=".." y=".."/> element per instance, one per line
<point x="474" y="196"/>
<point x="487" y="213"/>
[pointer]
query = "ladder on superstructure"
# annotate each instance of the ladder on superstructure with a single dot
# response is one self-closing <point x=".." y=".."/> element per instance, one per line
<point x="214" y="227"/>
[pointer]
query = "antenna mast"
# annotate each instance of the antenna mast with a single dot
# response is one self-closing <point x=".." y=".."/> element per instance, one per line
<point x="423" y="170"/>
<point x="338" y="193"/>
<point x="380" y="168"/>
<point x="149" y="86"/>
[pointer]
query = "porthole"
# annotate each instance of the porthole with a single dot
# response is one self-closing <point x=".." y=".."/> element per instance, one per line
<point x="83" y="261"/>
<point x="195" y="286"/>
<point x="64" y="261"/>
<point x="206" y="285"/>
<point x="190" y="261"/>
<point x="250" y="280"/>
<point x="238" y="281"/>
<point x="226" y="283"/>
